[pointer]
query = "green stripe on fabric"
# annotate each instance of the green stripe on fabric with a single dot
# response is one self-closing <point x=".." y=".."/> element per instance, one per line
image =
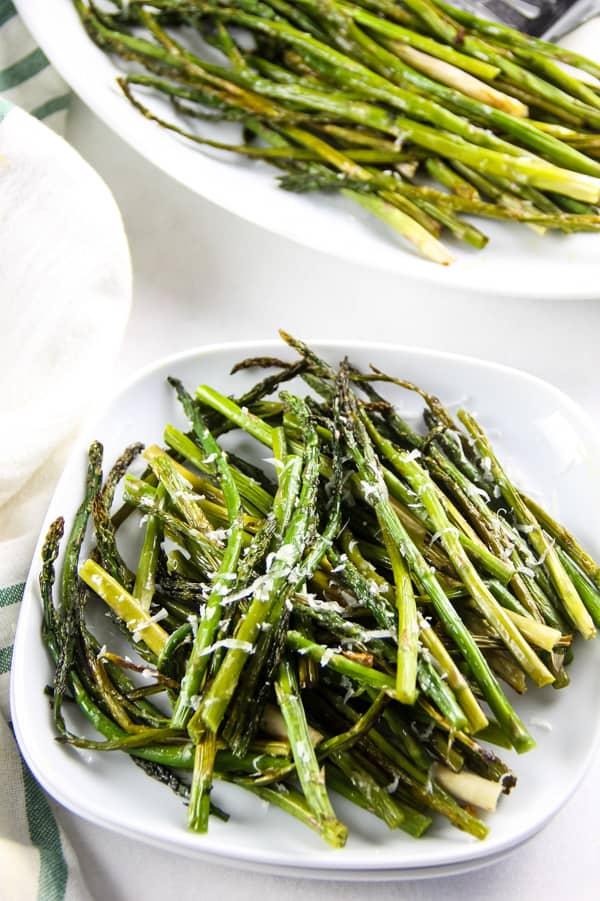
<point x="7" y="11"/>
<point x="44" y="834"/>
<point x="26" y="68"/>
<point x="12" y="594"/>
<point x="5" y="107"/>
<point x="54" y="105"/>
<point x="5" y="659"/>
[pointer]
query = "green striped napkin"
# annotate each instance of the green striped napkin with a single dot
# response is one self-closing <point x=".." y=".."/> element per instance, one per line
<point x="36" y="862"/>
<point x="26" y="78"/>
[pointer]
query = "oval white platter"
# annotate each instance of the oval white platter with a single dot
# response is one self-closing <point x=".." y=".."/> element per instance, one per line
<point x="517" y="262"/>
<point x="549" y="445"/>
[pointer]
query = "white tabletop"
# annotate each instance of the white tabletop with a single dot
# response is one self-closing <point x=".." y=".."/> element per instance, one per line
<point x="202" y="275"/>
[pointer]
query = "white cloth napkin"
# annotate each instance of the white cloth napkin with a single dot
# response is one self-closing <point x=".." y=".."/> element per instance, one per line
<point x="66" y="290"/>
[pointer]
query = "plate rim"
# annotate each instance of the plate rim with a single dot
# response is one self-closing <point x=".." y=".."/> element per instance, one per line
<point x="319" y="868"/>
<point x="582" y="284"/>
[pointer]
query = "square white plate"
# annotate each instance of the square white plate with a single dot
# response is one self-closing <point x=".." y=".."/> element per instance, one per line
<point x="548" y="444"/>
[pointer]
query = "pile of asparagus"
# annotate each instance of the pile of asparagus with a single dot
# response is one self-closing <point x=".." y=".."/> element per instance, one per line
<point x="363" y="96"/>
<point x="343" y="626"/>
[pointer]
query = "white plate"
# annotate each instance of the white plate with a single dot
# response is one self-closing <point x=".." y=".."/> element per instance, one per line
<point x="544" y="436"/>
<point x="516" y="263"/>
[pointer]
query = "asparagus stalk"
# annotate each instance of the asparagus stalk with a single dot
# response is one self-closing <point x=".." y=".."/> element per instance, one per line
<point x="563" y="585"/>
<point x="69" y="610"/>
<point x="225" y="576"/>
<point x="139" y="622"/>
<point x="307" y="766"/>
<point x="145" y="578"/>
